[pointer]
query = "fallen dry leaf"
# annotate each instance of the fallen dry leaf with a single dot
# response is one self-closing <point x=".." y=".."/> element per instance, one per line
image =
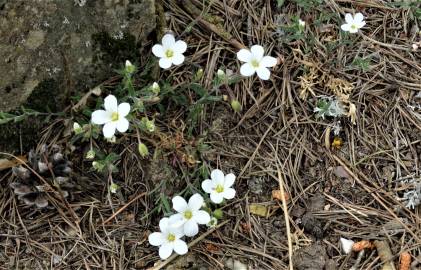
<point x="10" y="163"/>
<point x="258" y="209"/>
<point x="276" y="194"/>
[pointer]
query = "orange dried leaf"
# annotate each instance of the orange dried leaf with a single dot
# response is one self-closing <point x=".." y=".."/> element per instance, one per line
<point x="276" y="194"/>
<point x="363" y="244"/>
<point x="212" y="248"/>
<point x="405" y="261"/>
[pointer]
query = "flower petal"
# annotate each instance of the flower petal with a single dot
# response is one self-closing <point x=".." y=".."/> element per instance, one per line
<point x="207" y="186"/>
<point x="122" y="125"/>
<point x="164" y="224"/>
<point x="191" y="228"/>
<point x="156" y="239"/>
<point x="218" y="176"/>
<point x="244" y="55"/>
<point x="178" y="232"/>
<point x="165" y="63"/>
<point x="123" y="109"/>
<point x="158" y="50"/>
<point x="110" y="103"/>
<point x="359" y="17"/>
<point x="176" y="220"/>
<point x="109" y="129"/>
<point x="257" y="51"/>
<point x="348" y="18"/>
<point x="360" y="24"/>
<point x="179" y="204"/>
<point x="229" y="180"/>
<point x="346" y="27"/>
<point x="100" y="117"/>
<point x="216" y="197"/>
<point x="201" y="217"/>
<point x="177" y="59"/>
<point x="165" y="250"/>
<point x="180" y="46"/>
<point x="229" y="193"/>
<point x="180" y="247"/>
<point x="247" y="70"/>
<point x="195" y="202"/>
<point x="268" y="61"/>
<point x="263" y="73"/>
<point x="168" y="41"/>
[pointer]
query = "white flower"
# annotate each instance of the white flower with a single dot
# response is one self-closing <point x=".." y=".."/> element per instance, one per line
<point x="353" y="23"/>
<point x="301" y="23"/>
<point x="113" y="117"/>
<point x="168" y="239"/>
<point x="189" y="214"/>
<point x="346" y="245"/>
<point x="219" y="187"/>
<point x="256" y="62"/>
<point x="170" y="52"/>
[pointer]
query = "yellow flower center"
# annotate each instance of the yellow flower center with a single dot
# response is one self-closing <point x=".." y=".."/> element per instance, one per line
<point x="255" y="63"/>
<point x="114" y="116"/>
<point x="169" y="53"/>
<point x="171" y="237"/>
<point x="188" y="214"/>
<point x="353" y="26"/>
<point x="219" y="188"/>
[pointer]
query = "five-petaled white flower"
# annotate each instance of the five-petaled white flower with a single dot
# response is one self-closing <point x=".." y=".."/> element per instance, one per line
<point x="256" y="62"/>
<point x="113" y="117"/>
<point x="353" y="23"/>
<point x="170" y="52"/>
<point x="219" y="186"/>
<point x="189" y="214"/>
<point x="168" y="239"/>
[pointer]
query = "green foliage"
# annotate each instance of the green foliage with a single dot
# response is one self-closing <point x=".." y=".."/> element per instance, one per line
<point x="22" y="115"/>
<point x="280" y="3"/>
<point x="105" y="163"/>
<point x="307" y="5"/>
<point x="362" y="63"/>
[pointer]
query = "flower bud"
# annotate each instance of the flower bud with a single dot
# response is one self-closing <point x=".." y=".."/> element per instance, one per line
<point x="98" y="166"/>
<point x="155" y="88"/>
<point x="130" y="68"/>
<point x="77" y="129"/>
<point x="218" y="213"/>
<point x="221" y="74"/>
<point x="143" y="150"/>
<point x="236" y="106"/>
<point x="113" y="188"/>
<point x="90" y="154"/>
<point x="212" y="223"/>
<point x="199" y="74"/>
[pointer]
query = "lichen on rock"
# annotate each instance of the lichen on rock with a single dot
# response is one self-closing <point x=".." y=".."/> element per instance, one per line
<point x="55" y="40"/>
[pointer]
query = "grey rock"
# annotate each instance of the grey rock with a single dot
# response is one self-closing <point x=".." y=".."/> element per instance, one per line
<point x="66" y="45"/>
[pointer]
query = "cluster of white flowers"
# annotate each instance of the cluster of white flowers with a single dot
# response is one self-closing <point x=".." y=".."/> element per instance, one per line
<point x="170" y="52"/>
<point x="189" y="215"/>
